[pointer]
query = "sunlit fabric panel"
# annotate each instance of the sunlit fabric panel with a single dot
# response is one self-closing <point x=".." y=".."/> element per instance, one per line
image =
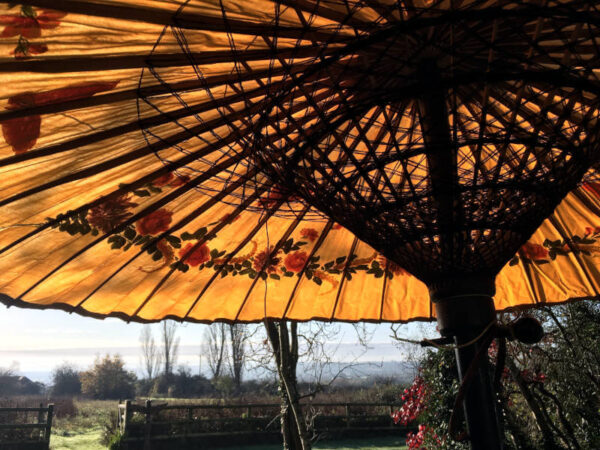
<point x="235" y="161"/>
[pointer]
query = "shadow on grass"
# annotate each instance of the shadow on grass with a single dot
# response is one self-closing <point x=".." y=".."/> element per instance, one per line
<point x="381" y="443"/>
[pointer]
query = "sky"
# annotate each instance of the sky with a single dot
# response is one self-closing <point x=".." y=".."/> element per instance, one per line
<point x="35" y="341"/>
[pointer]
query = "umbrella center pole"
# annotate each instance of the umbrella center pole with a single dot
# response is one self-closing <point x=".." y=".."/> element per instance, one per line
<point x="467" y="318"/>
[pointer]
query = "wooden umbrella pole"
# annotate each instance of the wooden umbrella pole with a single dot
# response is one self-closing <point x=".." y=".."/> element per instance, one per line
<point x="466" y="308"/>
<point x="467" y="318"/>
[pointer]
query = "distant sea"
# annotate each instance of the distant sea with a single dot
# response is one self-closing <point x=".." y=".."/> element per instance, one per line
<point x="381" y="360"/>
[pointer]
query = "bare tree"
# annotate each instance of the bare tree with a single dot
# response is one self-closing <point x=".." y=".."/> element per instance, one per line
<point x="289" y="344"/>
<point x="412" y="351"/>
<point x="215" y="347"/>
<point x="10" y="370"/>
<point x="237" y="341"/>
<point x="284" y="345"/>
<point x="151" y="357"/>
<point x="170" y="346"/>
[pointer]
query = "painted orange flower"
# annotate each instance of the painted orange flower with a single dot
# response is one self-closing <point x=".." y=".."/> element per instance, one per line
<point x="180" y="180"/>
<point x="154" y="223"/>
<point x="592" y="230"/>
<point x="163" y="180"/>
<point x="534" y="252"/>
<point x="110" y="214"/>
<point x="23" y="132"/>
<point x="261" y="258"/>
<point x="194" y="256"/>
<point x="273" y="197"/>
<point x="294" y="262"/>
<point x="309" y="233"/>
<point x="170" y="179"/>
<point x="30" y="26"/>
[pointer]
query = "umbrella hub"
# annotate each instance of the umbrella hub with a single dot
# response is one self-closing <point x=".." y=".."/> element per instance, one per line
<point x="446" y="181"/>
<point x="441" y="134"/>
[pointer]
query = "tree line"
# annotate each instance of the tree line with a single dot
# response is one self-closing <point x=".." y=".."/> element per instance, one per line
<point x="224" y="347"/>
<point x="107" y="378"/>
<point x="273" y="347"/>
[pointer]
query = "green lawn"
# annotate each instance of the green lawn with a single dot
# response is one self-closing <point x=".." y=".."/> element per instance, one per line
<point x="84" y="432"/>
<point x="388" y="443"/>
<point x="88" y="439"/>
<point x="382" y="443"/>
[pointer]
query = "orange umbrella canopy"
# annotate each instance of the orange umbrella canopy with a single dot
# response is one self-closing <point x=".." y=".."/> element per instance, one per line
<point x="213" y="160"/>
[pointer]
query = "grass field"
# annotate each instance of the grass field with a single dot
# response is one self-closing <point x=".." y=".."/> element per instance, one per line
<point x="84" y="431"/>
<point x="382" y="443"/>
<point x="88" y="439"/>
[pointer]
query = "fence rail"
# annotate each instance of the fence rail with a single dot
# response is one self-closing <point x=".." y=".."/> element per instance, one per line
<point x="150" y="422"/>
<point x="10" y="437"/>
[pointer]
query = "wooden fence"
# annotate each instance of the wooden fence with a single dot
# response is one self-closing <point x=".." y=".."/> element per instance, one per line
<point x="17" y="431"/>
<point x="158" y="424"/>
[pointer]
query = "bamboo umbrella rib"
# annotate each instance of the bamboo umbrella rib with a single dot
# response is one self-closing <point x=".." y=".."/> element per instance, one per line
<point x="381" y="133"/>
<point x="172" y="270"/>
<point x="557" y="126"/>
<point x="540" y="125"/>
<point x="212" y="201"/>
<point x="146" y="150"/>
<point x="331" y="129"/>
<point x="158" y="119"/>
<point x="313" y="252"/>
<point x="272" y="253"/>
<point x="518" y="102"/>
<point x="580" y="264"/>
<point x="123" y="159"/>
<point x="383" y="292"/>
<point x="309" y="139"/>
<point x="212" y="23"/>
<point x="381" y="173"/>
<point x="259" y="225"/>
<point x="150" y="91"/>
<point x="361" y="132"/>
<point x="169" y="18"/>
<point x="386" y="12"/>
<point x="345" y="275"/>
<point x="319" y="105"/>
<point x="521" y="137"/>
<point x="324" y="128"/>
<point x="321" y="10"/>
<point x="403" y="161"/>
<point x="71" y="64"/>
<point x="167" y="168"/>
<point x="173" y="195"/>
<point x="591" y="206"/>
